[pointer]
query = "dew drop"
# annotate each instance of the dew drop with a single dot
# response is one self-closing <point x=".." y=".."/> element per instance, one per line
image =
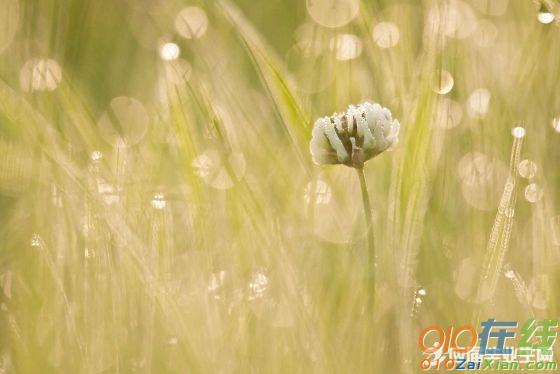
<point x="258" y="286"/>
<point x="216" y="281"/>
<point x="418" y="300"/>
<point x="556" y="124"/>
<point x="35" y="240"/>
<point x="545" y="16"/>
<point x="96" y="156"/>
<point x="158" y="201"/>
<point x="518" y="132"/>
<point x="509" y="272"/>
<point x="443" y="82"/>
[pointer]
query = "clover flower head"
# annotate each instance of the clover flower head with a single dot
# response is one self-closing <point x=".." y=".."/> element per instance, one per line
<point x="353" y="137"/>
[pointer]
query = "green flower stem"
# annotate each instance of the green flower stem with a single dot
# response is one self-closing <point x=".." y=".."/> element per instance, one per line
<point x="369" y="227"/>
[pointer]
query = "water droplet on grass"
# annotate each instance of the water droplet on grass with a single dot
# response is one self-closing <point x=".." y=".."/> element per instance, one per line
<point x="443" y="82"/>
<point x="258" y="286"/>
<point x="158" y="201"/>
<point x="35" y="240"/>
<point x="556" y="124"/>
<point x="545" y="16"/>
<point x="96" y="156"/>
<point x="518" y="132"/>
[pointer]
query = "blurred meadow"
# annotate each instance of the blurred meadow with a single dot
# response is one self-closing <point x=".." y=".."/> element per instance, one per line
<point x="160" y="212"/>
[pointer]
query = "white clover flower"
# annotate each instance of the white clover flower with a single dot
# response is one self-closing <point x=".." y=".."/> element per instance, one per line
<point x="354" y="137"/>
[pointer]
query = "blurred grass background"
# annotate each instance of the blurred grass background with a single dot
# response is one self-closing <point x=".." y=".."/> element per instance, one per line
<point x="161" y="213"/>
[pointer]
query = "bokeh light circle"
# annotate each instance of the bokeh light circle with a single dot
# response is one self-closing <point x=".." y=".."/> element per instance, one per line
<point x="125" y="122"/>
<point x="40" y="74"/>
<point x="346" y="46"/>
<point x="191" y="22"/>
<point x="169" y="51"/>
<point x="448" y="113"/>
<point x="533" y="193"/>
<point x="333" y="13"/>
<point x="527" y="169"/>
<point x="478" y="103"/>
<point x="386" y="34"/>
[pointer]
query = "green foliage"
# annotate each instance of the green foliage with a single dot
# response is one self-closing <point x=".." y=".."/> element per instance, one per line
<point x="212" y="243"/>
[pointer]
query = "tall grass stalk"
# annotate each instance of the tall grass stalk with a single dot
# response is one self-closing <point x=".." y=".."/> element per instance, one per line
<point x="498" y="242"/>
<point x="368" y="219"/>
